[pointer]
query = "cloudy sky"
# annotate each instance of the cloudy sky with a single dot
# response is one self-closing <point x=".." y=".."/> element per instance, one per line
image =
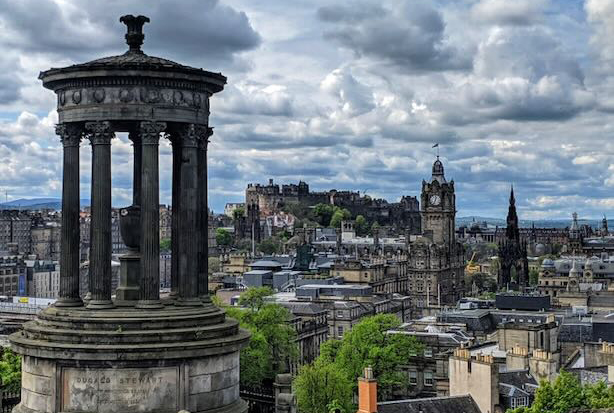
<point x="348" y="95"/>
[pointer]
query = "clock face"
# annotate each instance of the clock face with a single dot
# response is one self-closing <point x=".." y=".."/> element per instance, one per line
<point x="435" y="200"/>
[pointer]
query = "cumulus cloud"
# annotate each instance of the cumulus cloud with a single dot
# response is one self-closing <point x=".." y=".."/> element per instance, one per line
<point x="355" y="98"/>
<point x="75" y="27"/>
<point x="518" y="12"/>
<point x="410" y="35"/>
<point x="351" y="96"/>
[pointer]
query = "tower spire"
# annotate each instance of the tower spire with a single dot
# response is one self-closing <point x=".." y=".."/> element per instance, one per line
<point x="512" y="232"/>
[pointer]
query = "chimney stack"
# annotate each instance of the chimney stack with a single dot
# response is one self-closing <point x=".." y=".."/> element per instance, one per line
<point x="367" y="392"/>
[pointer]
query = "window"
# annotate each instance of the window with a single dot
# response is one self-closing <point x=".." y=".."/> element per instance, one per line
<point x="413" y="378"/>
<point x="428" y="378"/>
<point x="519" y="402"/>
<point x="340" y="331"/>
<point x="413" y="353"/>
<point x="428" y="352"/>
<point x="340" y="314"/>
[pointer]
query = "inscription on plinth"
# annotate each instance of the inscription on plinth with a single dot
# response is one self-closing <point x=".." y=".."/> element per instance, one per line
<point x="120" y="390"/>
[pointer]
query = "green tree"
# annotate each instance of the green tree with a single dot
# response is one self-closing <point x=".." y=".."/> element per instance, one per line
<point x="599" y="396"/>
<point x="319" y="385"/>
<point x="165" y="244"/>
<point x="223" y="237"/>
<point x="269" y="246"/>
<point x="362" y="226"/>
<point x="238" y="213"/>
<point x="566" y="393"/>
<point x="214" y="264"/>
<point x="374" y="226"/>
<point x="10" y="370"/>
<point x="367" y="344"/>
<point x="323" y="213"/>
<point x="273" y="343"/>
<point x="253" y="298"/>
<point x="533" y="277"/>
<point x="338" y="216"/>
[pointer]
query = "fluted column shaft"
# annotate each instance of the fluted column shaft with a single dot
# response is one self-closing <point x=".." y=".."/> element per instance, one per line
<point x="176" y="144"/>
<point x="100" y="135"/>
<point x="136" y="167"/>
<point x="150" y="215"/>
<point x="188" y="245"/>
<point x="203" y="216"/>
<point x="70" y="134"/>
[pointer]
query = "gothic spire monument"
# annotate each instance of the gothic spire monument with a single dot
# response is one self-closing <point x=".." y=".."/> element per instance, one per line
<point x="513" y="263"/>
<point x="133" y="351"/>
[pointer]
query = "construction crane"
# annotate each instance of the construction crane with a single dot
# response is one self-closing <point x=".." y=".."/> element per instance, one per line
<point x="472" y="267"/>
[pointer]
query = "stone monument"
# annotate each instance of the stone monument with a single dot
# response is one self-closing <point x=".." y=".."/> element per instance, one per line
<point x="137" y="353"/>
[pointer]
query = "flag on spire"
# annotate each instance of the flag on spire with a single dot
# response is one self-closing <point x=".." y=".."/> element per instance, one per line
<point x="436" y="145"/>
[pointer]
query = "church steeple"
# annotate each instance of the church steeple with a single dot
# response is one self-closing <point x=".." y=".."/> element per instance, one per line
<point x="512" y="232"/>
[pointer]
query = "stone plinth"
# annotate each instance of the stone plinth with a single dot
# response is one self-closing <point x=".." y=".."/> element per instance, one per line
<point x="129" y="360"/>
<point x="128" y="291"/>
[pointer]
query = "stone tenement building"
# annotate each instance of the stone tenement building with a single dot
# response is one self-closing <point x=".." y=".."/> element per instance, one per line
<point x="436" y="259"/>
<point x="402" y="215"/>
<point x="15" y="227"/>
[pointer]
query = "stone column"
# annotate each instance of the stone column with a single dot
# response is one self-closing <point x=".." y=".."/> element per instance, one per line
<point x="176" y="144"/>
<point x="136" y="166"/>
<point x="128" y="291"/>
<point x="100" y="135"/>
<point x="188" y="245"/>
<point x="150" y="216"/>
<point x="70" y="134"/>
<point x="203" y="268"/>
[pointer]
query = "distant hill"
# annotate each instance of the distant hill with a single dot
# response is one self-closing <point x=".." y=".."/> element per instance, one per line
<point x="38" y="203"/>
<point x="540" y="223"/>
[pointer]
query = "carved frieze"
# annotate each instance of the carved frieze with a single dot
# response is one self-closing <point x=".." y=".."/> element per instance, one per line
<point x="99" y="94"/>
<point x="76" y="96"/>
<point x="134" y="95"/>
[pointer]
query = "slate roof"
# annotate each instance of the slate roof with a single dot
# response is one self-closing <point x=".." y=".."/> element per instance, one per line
<point x="302" y="307"/>
<point x="506" y="390"/>
<point x="136" y="61"/>
<point x="517" y="378"/>
<point x="448" y="404"/>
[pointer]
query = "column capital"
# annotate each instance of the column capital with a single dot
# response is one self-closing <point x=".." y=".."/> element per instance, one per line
<point x="70" y="133"/>
<point x="99" y="133"/>
<point x="191" y="134"/>
<point x="204" y="135"/>
<point x="150" y="132"/>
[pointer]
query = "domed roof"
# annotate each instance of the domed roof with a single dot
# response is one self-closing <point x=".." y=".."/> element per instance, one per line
<point x="438" y="172"/>
<point x="548" y="263"/>
<point x="134" y="59"/>
<point x="540" y="249"/>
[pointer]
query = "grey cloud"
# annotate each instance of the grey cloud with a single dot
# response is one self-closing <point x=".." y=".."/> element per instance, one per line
<point x="503" y="12"/>
<point x="355" y="13"/>
<point x="411" y="36"/>
<point x="202" y="31"/>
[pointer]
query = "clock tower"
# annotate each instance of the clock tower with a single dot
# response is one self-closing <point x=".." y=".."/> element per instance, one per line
<point x="438" y="207"/>
<point x="436" y="260"/>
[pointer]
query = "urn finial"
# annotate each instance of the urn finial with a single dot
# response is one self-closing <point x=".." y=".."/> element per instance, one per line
<point x="134" y="36"/>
